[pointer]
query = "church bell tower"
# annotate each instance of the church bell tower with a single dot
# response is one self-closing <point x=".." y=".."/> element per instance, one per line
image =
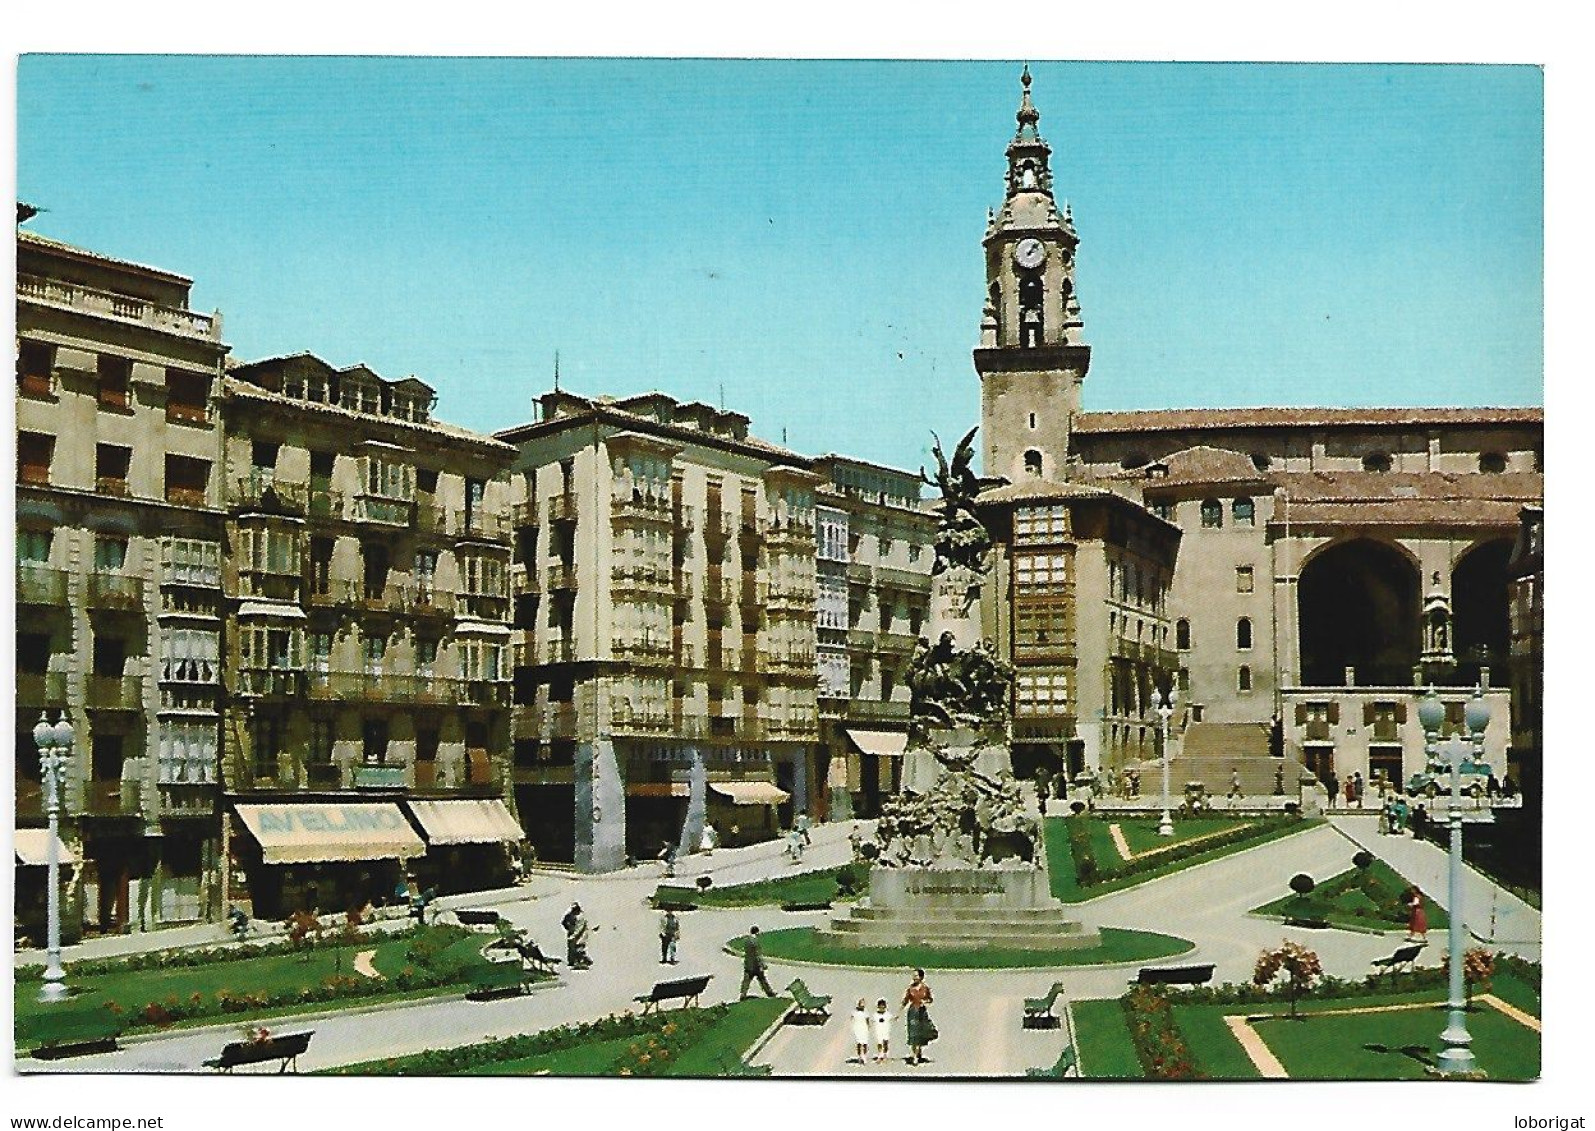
<point x="1031" y="359"/>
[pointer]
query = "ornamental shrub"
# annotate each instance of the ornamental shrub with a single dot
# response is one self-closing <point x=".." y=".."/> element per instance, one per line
<point x="1299" y="965"/>
<point x="1302" y="884"/>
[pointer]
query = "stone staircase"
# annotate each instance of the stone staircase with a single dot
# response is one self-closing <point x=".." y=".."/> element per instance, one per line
<point x="1034" y="928"/>
<point x="1211" y="752"/>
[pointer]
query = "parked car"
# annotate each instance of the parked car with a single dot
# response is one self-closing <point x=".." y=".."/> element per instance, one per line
<point x="1437" y="780"/>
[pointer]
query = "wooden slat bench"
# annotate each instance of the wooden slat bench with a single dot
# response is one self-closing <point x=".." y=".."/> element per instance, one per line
<point x="1038" y="1010"/>
<point x="687" y="989"/>
<point x="285" y="1047"/>
<point x="1174" y="975"/>
<point x="468" y="917"/>
<point x="1404" y="956"/>
<point x="1067" y="1062"/>
<point x="497" y="979"/>
<point x="811" y="1009"/>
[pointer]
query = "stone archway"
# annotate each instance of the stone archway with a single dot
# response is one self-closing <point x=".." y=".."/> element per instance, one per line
<point x="1480" y="629"/>
<point x="1358" y="606"/>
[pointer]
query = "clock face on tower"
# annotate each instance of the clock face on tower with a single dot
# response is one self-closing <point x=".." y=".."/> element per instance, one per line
<point x="1029" y="253"/>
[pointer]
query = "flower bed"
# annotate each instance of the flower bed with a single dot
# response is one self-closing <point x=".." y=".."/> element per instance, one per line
<point x="1161" y="1047"/>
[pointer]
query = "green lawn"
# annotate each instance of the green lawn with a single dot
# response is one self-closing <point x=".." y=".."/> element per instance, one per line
<point x="800" y="887"/>
<point x="685" y="1052"/>
<point x="1103" y="1039"/>
<point x="1332" y="1047"/>
<point x="1347" y="900"/>
<point x="1140" y="832"/>
<point x="1060" y="864"/>
<point x="1397" y="1045"/>
<point x="87" y="1014"/>
<point x="1118" y="945"/>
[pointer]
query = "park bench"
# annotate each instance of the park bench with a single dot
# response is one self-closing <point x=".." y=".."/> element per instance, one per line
<point x="1404" y="956"/>
<point x="1067" y="1062"/>
<point x="1038" y="1010"/>
<point x="497" y="979"/>
<point x="285" y="1047"/>
<point x="687" y="989"/>
<point x="527" y="951"/>
<point x="811" y="1009"/>
<point x="473" y="918"/>
<point x="1174" y="975"/>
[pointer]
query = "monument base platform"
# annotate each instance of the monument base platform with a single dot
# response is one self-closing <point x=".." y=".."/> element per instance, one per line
<point x="960" y="908"/>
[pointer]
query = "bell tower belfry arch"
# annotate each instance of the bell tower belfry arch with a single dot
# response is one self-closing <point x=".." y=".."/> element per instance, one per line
<point x="1031" y="360"/>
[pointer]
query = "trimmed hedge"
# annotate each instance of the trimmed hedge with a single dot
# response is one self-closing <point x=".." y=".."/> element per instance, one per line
<point x="1089" y="871"/>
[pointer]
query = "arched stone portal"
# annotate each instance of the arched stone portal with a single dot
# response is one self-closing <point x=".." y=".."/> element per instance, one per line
<point x="1479" y="608"/>
<point x="1359" y="608"/>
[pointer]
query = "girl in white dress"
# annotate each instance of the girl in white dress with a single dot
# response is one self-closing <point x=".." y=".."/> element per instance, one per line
<point x="880" y="1027"/>
<point x="861" y="1031"/>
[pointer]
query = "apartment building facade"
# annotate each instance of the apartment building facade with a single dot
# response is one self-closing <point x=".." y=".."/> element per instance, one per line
<point x="119" y="621"/>
<point x="367" y="585"/>
<point x="873" y="556"/>
<point x="664" y="583"/>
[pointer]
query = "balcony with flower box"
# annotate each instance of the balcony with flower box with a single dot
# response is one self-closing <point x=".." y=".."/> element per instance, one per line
<point x="484" y="692"/>
<point x="265" y="491"/>
<point x="641" y="582"/>
<point x="626" y="719"/>
<point x="643" y="510"/>
<point x="271" y="683"/>
<point x="115" y="591"/>
<point x="646" y="652"/>
<point x="41" y="585"/>
<point x="186" y="799"/>
<point x="382" y="510"/>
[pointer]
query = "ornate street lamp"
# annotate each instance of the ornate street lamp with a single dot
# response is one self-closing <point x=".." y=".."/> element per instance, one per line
<point x="1457" y="1056"/>
<point x="55" y="748"/>
<point x="1165" y="711"/>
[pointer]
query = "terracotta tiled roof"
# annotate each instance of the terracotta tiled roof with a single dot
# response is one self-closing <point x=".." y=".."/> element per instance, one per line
<point x="1201" y="464"/>
<point x="235" y="387"/>
<point x="1038" y="490"/>
<point x="1165" y="420"/>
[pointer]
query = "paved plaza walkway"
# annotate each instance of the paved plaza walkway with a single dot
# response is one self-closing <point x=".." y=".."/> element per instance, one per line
<point x="977" y="1012"/>
<point x="1491" y="913"/>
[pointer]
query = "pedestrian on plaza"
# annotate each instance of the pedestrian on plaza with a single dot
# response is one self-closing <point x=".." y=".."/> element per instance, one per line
<point x="880" y="1027"/>
<point x="921" y="1031"/>
<point x="1492" y="787"/>
<point x="861" y="1032"/>
<point x="576" y="934"/>
<point x="1508" y="787"/>
<point x="1135" y="782"/>
<point x="1386" y="817"/>
<point x="710" y="839"/>
<point x="794" y="845"/>
<point x="667" y="855"/>
<point x="753" y="966"/>
<point x="1357" y="788"/>
<point x="1234" y="786"/>
<point x="669" y="934"/>
<point x="1417" y="919"/>
<point x="802" y="826"/>
<point x="1333" y="783"/>
<point x="1400" y="812"/>
<point x="1350" y="790"/>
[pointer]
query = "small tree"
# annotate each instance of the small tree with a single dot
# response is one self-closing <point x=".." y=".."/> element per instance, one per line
<point x="1302" y="884"/>
<point x="1478" y="966"/>
<point x="303" y="929"/>
<point x="1299" y="965"/>
<point x="1362" y="861"/>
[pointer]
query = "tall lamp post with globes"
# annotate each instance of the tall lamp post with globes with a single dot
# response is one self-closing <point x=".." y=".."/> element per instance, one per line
<point x="54" y="741"/>
<point x="1165" y="711"/>
<point x="1457" y="1056"/>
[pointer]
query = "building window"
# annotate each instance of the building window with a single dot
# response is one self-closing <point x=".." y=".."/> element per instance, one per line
<point x="1243" y="511"/>
<point x="1243" y="680"/>
<point x="1032" y="422"/>
<point x="110" y="555"/>
<point x="1243" y="633"/>
<point x="374" y="735"/>
<point x="1033" y="462"/>
<point x="1376" y="461"/>
<point x="114" y="373"/>
<point x="1163" y="509"/>
<point x="1040" y="524"/>
<point x="426" y="656"/>
<point x="1243" y="579"/>
<point x="36" y="369"/>
<point x="1212" y="513"/>
<point x="1492" y="463"/>
<point x="1182" y="635"/>
<point x="376" y="649"/>
<point x="110" y="469"/>
<point x="267" y="735"/>
<point x="34" y="452"/>
<point x="1261" y="461"/>
<point x="1185" y="681"/>
<point x="320" y="651"/>
<point x="186" y="480"/>
<point x="1041" y="571"/>
<point x="187" y="397"/>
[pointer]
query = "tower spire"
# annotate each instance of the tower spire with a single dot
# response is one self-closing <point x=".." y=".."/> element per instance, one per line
<point x="1028" y="115"/>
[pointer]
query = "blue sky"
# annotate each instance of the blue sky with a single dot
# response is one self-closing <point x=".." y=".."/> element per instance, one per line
<point x="802" y="240"/>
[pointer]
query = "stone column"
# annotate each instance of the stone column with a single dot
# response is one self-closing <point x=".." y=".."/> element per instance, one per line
<point x="697" y="803"/>
<point x="600" y="808"/>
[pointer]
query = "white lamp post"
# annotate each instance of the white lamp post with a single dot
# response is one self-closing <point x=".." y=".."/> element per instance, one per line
<point x="1457" y="1056"/>
<point x="1165" y="711"/>
<point x="55" y="747"/>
